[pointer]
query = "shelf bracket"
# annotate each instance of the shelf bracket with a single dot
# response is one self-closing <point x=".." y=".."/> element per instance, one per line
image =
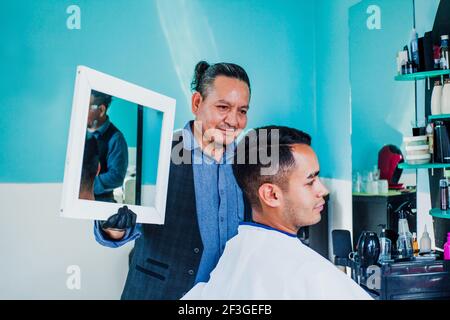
<point x="428" y="83"/>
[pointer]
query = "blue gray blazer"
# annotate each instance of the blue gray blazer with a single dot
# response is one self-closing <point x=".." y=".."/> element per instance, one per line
<point x="166" y="257"/>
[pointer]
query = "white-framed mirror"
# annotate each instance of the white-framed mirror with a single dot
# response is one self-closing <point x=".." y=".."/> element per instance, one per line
<point x="118" y="150"/>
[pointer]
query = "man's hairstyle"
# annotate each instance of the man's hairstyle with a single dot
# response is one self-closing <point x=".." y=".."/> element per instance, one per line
<point x="101" y="98"/>
<point x="247" y="167"/>
<point x="205" y="74"/>
<point x="90" y="164"/>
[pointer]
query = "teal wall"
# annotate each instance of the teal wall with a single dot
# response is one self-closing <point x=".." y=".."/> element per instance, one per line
<point x="154" y="44"/>
<point x="310" y="63"/>
<point x="382" y="109"/>
<point x="151" y="137"/>
<point x="332" y="89"/>
<point x="124" y="116"/>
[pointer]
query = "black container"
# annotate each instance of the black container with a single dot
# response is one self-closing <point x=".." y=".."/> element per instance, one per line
<point x="443" y="187"/>
<point x="442" y="143"/>
<point x="426" y="52"/>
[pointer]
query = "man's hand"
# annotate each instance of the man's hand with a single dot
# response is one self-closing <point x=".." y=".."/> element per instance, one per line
<point x="116" y="225"/>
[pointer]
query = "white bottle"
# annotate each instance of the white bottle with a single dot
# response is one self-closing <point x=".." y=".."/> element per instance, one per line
<point x="436" y="98"/>
<point x="425" y="242"/>
<point x="445" y="99"/>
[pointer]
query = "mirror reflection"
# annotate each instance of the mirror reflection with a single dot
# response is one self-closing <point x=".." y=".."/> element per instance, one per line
<point x="116" y="165"/>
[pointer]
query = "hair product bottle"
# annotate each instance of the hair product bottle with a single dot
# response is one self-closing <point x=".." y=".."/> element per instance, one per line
<point x="425" y="241"/>
<point x="436" y="98"/>
<point x="447" y="248"/>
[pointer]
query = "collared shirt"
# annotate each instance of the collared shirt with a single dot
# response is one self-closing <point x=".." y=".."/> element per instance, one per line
<point x="219" y="203"/>
<point x="117" y="160"/>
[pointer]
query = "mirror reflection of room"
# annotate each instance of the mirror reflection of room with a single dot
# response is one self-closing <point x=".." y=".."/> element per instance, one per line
<point x="112" y="149"/>
<point x="126" y="170"/>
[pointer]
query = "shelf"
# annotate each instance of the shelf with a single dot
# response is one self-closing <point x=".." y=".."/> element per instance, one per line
<point x="438" y="213"/>
<point x="439" y="117"/>
<point x="391" y="193"/>
<point x="421" y="75"/>
<point x="406" y="166"/>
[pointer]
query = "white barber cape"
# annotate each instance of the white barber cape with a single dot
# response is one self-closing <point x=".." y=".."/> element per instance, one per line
<point x="263" y="263"/>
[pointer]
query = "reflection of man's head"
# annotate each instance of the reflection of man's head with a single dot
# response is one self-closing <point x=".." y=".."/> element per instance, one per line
<point x="98" y="105"/>
<point x="292" y="195"/>
<point x="90" y="169"/>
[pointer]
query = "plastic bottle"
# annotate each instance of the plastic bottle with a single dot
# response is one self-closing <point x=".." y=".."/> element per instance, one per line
<point x="404" y="241"/>
<point x="430" y="137"/>
<point x="425" y="241"/>
<point x="436" y="99"/>
<point x="385" y="246"/>
<point x="415" y="244"/>
<point x="444" y="52"/>
<point x="441" y="143"/>
<point x="443" y="190"/>
<point x="414" y="50"/>
<point x="445" y="97"/>
<point x="447" y="248"/>
<point x="437" y="57"/>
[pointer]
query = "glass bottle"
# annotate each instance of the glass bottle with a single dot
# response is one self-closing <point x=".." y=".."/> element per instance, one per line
<point x="444" y="52"/>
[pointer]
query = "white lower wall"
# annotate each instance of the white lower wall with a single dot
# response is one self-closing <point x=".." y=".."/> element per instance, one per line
<point x="37" y="247"/>
<point x="339" y="208"/>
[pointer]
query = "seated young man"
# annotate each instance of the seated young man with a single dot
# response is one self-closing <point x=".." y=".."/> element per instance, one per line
<point x="266" y="260"/>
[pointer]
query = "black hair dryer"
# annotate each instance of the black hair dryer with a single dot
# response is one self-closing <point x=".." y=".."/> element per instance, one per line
<point x="368" y="248"/>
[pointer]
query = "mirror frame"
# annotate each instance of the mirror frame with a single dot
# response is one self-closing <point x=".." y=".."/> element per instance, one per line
<point x="86" y="80"/>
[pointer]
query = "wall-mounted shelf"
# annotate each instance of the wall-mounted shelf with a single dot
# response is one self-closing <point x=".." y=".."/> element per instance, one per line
<point x="438" y="213"/>
<point x="405" y="166"/>
<point x="439" y="117"/>
<point x="421" y="75"/>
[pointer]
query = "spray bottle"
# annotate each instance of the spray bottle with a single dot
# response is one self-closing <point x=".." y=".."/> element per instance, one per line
<point x="405" y="240"/>
<point x="385" y="246"/>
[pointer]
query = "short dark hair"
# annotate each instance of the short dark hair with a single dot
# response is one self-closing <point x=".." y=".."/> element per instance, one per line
<point x="205" y="74"/>
<point x="247" y="171"/>
<point x="90" y="164"/>
<point x="101" y="98"/>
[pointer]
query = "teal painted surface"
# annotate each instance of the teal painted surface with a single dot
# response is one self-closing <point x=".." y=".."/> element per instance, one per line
<point x="152" y="125"/>
<point x="382" y="108"/>
<point x="332" y="89"/>
<point x="154" y="44"/>
<point x="438" y="213"/>
<point x="421" y="75"/>
<point x="439" y="117"/>
<point x="296" y="54"/>
<point x="124" y="116"/>
<point x="423" y="166"/>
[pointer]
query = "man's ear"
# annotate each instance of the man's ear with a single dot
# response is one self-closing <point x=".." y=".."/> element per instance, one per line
<point x="270" y="195"/>
<point x="102" y="110"/>
<point x="196" y="100"/>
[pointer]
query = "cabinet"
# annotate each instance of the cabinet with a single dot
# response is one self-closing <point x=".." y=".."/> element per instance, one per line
<point x="369" y="211"/>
